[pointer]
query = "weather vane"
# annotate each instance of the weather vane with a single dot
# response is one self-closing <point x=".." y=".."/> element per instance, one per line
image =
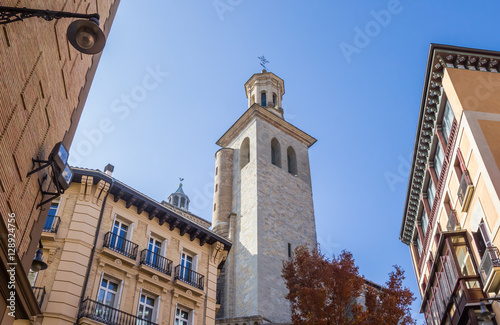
<point x="181" y="179"/>
<point x="263" y="61"/>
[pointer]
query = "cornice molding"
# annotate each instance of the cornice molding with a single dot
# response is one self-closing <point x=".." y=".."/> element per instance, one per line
<point x="257" y="111"/>
<point x="441" y="57"/>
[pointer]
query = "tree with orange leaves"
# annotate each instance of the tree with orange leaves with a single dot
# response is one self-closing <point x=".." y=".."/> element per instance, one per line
<point x="329" y="292"/>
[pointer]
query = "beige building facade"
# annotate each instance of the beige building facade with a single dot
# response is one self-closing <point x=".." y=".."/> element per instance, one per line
<point x="451" y="221"/>
<point x="116" y="256"/>
<point x="262" y="203"/>
<point x="43" y="87"/>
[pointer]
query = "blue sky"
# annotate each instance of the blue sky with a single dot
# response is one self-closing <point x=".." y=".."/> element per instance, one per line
<point x="170" y="83"/>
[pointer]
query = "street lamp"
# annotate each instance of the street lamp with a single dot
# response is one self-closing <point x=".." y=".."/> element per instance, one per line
<point x="84" y="34"/>
<point x="485" y="315"/>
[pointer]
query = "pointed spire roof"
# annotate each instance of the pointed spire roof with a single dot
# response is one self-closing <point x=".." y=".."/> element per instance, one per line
<point x="179" y="199"/>
<point x="179" y="190"/>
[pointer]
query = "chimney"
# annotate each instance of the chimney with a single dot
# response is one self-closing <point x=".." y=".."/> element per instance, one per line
<point x="108" y="170"/>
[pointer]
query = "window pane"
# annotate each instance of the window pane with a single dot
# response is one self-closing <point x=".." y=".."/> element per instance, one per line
<point x="430" y="193"/>
<point x="447" y="121"/>
<point x="464" y="261"/>
<point x="438" y="160"/>
<point x="425" y="221"/>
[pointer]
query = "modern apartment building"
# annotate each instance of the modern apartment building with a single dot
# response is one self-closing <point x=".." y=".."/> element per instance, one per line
<point x="451" y="216"/>
<point x="44" y="82"/>
<point x="116" y="256"/>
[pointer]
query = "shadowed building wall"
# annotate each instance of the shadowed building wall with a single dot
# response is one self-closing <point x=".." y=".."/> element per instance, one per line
<point x="44" y="83"/>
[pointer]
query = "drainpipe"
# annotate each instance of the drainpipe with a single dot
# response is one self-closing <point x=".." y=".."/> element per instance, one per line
<point x="87" y="274"/>
<point x="205" y="310"/>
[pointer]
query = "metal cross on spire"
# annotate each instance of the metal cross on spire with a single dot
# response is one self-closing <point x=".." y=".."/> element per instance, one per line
<point x="263" y="61"/>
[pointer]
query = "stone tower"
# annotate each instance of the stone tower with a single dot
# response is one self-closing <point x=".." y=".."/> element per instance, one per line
<point x="262" y="203"/>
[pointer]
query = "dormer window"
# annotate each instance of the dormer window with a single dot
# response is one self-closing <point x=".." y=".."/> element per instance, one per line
<point x="263" y="99"/>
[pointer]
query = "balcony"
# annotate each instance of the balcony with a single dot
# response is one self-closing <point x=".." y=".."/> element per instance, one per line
<point x="490" y="269"/>
<point x="39" y="293"/>
<point x="156" y="261"/>
<point x="465" y="191"/>
<point x="101" y="313"/>
<point x="51" y="224"/>
<point x="120" y="245"/>
<point x="188" y="276"/>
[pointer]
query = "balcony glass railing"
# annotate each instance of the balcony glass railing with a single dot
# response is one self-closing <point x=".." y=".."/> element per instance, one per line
<point x="120" y="245"/>
<point x="189" y="276"/>
<point x="108" y="315"/>
<point x="156" y="261"/>
<point x="490" y="259"/>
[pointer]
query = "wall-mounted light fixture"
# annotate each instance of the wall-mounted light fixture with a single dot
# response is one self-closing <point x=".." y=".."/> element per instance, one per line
<point x="38" y="264"/>
<point x="84" y="34"/>
<point x="61" y="172"/>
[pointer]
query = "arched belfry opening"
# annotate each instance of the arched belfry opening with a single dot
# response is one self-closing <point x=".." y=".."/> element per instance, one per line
<point x="245" y="152"/>
<point x="263" y="99"/>
<point x="275" y="152"/>
<point x="292" y="161"/>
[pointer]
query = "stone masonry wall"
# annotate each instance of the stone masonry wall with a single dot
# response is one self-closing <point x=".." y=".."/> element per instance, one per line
<point x="285" y="216"/>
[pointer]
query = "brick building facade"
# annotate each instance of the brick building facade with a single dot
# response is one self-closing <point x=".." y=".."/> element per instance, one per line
<point x="44" y="83"/>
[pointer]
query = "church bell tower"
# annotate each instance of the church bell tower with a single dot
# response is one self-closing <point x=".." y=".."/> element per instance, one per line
<point x="262" y="203"/>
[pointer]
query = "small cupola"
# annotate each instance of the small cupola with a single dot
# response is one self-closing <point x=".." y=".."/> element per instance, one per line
<point x="267" y="90"/>
<point x="179" y="199"/>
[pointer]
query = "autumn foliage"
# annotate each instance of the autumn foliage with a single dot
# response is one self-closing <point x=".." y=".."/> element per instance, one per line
<point x="330" y="292"/>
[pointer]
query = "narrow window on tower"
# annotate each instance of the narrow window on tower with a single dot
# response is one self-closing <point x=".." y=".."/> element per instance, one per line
<point x="292" y="161"/>
<point x="245" y="153"/>
<point x="274" y="99"/>
<point x="275" y="152"/>
<point x="289" y="250"/>
<point x="263" y="100"/>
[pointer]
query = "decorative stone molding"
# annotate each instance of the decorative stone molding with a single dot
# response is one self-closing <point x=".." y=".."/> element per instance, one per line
<point x="440" y="58"/>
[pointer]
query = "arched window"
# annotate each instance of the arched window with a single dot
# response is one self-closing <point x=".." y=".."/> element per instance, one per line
<point x="274" y="99"/>
<point x="275" y="152"/>
<point x="183" y="202"/>
<point x="292" y="161"/>
<point x="263" y="100"/>
<point x="245" y="153"/>
<point x="176" y="200"/>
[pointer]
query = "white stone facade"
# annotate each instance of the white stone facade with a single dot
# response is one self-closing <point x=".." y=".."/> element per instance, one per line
<point x="271" y="212"/>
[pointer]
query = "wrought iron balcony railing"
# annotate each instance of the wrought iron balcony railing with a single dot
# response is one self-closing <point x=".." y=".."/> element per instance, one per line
<point x="156" y="261"/>
<point x="189" y="276"/>
<point x="51" y="224"/>
<point x="39" y="293"/>
<point x="108" y="315"/>
<point x="490" y="259"/>
<point x="120" y="245"/>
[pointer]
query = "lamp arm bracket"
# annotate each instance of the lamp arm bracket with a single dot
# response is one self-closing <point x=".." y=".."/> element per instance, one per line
<point x="12" y="14"/>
